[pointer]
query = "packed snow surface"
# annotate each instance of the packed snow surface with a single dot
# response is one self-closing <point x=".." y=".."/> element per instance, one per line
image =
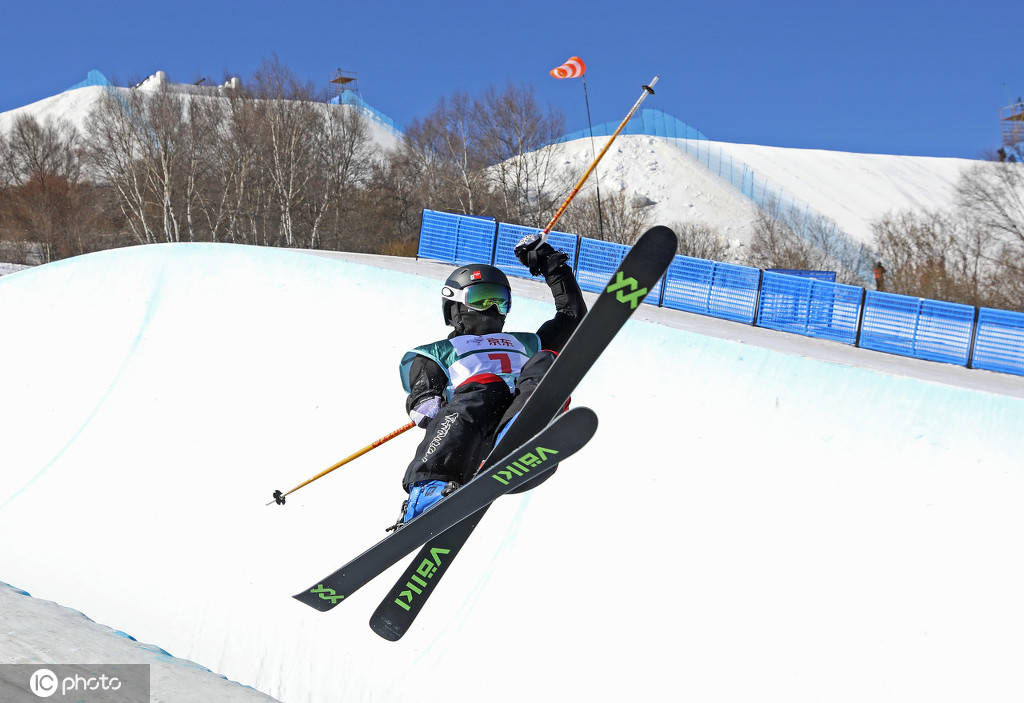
<point x="41" y="632"/>
<point x="10" y="268"/>
<point x="747" y="524"/>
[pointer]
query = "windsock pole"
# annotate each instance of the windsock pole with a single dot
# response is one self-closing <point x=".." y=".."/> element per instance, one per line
<point x="593" y="150"/>
<point x="647" y="90"/>
<point x="279" y="496"/>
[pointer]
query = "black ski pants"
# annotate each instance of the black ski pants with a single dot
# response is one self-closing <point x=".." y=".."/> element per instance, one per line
<point x="459" y="437"/>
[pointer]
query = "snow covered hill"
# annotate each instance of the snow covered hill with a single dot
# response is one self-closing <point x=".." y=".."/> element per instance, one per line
<point x="75" y="106"/>
<point x="852" y="189"/>
<point x="747" y="524"/>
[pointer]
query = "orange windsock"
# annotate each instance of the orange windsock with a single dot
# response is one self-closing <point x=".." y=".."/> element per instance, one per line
<point x="573" y="68"/>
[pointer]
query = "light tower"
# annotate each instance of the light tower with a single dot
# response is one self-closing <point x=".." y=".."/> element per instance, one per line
<point x="341" y="82"/>
<point x="1012" y="120"/>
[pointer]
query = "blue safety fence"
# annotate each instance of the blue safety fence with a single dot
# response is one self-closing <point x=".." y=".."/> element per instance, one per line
<point x="92" y="78"/>
<point x="999" y="341"/>
<point x="509" y="236"/>
<point x="803" y="273"/>
<point x="598" y="261"/>
<point x="804" y="304"/>
<point x="350" y="98"/>
<point x="918" y="327"/>
<point x="653" y="123"/>
<point x="457" y="239"/>
<point x="712" y="288"/>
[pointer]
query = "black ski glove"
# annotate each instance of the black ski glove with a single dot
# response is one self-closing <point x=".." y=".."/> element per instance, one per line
<point x="537" y="255"/>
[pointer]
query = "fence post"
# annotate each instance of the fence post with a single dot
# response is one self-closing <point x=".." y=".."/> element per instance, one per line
<point x="458" y="236"/>
<point x="917" y="325"/>
<point x="860" y="316"/>
<point x="974" y="337"/>
<point x="494" y="246"/>
<point x="711" y="286"/>
<point x="810" y="304"/>
<point x="576" y="259"/>
<point x="757" y="296"/>
<point x="664" y="284"/>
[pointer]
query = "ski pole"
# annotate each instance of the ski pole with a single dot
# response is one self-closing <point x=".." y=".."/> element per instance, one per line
<point x="647" y="90"/>
<point x="279" y="496"/>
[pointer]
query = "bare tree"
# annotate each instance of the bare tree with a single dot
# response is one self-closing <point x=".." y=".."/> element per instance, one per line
<point x="776" y="244"/>
<point x="934" y="255"/>
<point x="233" y="170"/>
<point x="115" y="131"/>
<point x="341" y="157"/>
<point x="161" y="151"/>
<point x="991" y="196"/>
<point x="37" y="152"/>
<point x="787" y="237"/>
<point x="623" y="219"/>
<point x="517" y="139"/>
<point x="289" y="121"/>
<point x="6" y="173"/>
<point x="701" y="241"/>
<point x="445" y="151"/>
<point x="971" y="254"/>
<point x="40" y="171"/>
<point x="391" y="205"/>
<point x="448" y="145"/>
<point x="203" y="119"/>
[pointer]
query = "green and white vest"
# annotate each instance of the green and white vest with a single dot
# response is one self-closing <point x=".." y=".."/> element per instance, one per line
<point x="463" y="357"/>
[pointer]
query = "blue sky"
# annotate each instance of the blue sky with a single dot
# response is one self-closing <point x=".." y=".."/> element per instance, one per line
<point x="885" y="77"/>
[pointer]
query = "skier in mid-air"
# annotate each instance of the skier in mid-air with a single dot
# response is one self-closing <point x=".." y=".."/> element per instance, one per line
<point x="465" y="389"/>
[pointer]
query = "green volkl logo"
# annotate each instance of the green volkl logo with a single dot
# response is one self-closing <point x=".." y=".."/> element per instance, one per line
<point x="418" y="581"/>
<point x="522" y="465"/>
<point x="635" y="295"/>
<point x="326" y="593"/>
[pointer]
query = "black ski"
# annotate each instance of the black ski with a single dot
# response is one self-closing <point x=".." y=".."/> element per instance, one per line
<point x="639" y="272"/>
<point x="535" y="456"/>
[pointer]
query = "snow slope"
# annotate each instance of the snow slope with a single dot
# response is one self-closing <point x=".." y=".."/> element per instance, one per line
<point x="75" y="106"/>
<point x="42" y="632"/>
<point x="746" y="525"/>
<point x="852" y="189"/>
<point x="681" y="189"/>
<point x="71" y="105"/>
<point x="10" y="268"/>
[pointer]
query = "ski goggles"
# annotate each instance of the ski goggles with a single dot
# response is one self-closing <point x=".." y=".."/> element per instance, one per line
<point x="481" y="296"/>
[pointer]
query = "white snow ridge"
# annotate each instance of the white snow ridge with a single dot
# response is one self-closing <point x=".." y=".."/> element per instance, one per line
<point x="748" y="523"/>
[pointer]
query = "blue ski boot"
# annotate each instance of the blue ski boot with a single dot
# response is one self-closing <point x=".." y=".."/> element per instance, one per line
<point x="422" y="496"/>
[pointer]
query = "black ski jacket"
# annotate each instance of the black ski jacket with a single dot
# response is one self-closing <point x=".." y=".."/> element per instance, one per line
<point x="426" y="378"/>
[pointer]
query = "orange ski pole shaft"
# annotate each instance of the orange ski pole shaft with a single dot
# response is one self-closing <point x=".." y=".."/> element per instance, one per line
<point x="279" y="496"/>
<point x="647" y="90"/>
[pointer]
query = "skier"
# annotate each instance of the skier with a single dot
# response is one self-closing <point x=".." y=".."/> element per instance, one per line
<point x="466" y="388"/>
